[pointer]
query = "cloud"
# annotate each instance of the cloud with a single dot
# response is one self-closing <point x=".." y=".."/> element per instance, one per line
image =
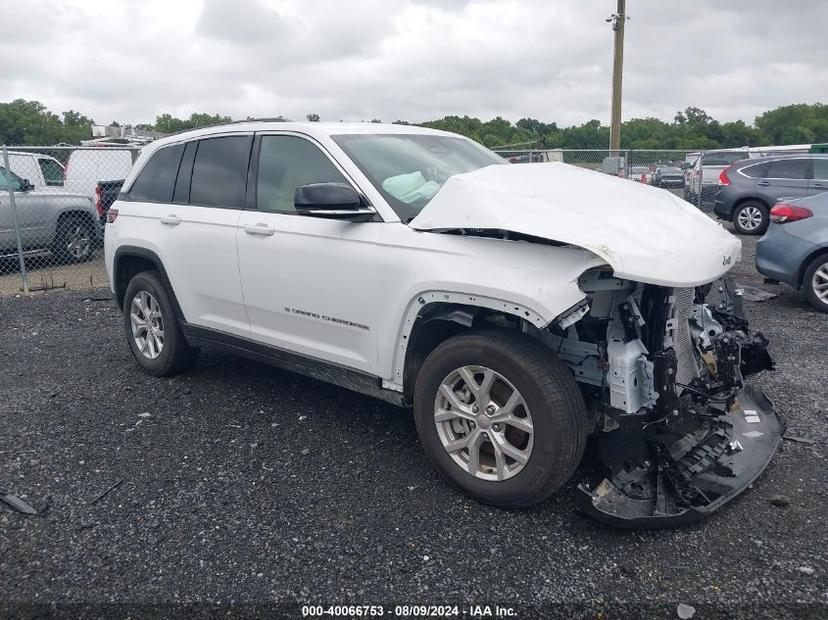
<point x="409" y="59"/>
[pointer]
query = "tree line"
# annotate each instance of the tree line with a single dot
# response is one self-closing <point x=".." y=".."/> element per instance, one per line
<point x="30" y="123"/>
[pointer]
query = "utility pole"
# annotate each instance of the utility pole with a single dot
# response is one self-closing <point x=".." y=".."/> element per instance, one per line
<point x="617" y="20"/>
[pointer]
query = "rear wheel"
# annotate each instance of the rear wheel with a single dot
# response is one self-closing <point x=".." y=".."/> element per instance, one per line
<point x="154" y="334"/>
<point x="500" y="416"/>
<point x="74" y="239"/>
<point x="751" y="218"/>
<point x="815" y="283"/>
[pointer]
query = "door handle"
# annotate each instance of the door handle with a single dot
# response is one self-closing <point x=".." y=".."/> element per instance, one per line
<point x="763" y="183"/>
<point x="171" y="220"/>
<point x="260" y="229"/>
<point x="818" y="185"/>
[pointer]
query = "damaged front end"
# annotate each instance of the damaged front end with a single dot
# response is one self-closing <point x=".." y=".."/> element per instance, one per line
<point x="662" y="369"/>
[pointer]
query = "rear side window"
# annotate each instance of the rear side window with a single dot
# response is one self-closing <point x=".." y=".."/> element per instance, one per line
<point x="52" y="171"/>
<point x="821" y="169"/>
<point x="723" y="159"/>
<point x="220" y="172"/>
<point x="156" y="180"/>
<point x="788" y="169"/>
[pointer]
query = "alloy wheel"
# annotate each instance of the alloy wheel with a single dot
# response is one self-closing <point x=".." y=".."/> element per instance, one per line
<point x="819" y="282"/>
<point x="147" y="324"/>
<point x="483" y="423"/>
<point x="78" y="242"/>
<point x="750" y="218"/>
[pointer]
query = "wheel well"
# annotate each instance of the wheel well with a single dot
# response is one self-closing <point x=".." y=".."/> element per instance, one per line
<point x="436" y="323"/>
<point x="800" y="277"/>
<point x="126" y="267"/>
<point x="67" y="215"/>
<point x="742" y="201"/>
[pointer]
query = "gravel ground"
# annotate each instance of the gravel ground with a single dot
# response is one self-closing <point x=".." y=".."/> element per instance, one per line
<point x="245" y="484"/>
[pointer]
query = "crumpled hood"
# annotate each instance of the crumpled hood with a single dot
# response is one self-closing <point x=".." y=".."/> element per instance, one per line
<point x="644" y="233"/>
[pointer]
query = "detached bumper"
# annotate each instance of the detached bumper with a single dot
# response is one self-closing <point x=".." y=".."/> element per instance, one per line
<point x="695" y="474"/>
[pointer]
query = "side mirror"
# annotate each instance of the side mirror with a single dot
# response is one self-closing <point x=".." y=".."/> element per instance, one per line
<point x="26" y="185"/>
<point x="337" y="201"/>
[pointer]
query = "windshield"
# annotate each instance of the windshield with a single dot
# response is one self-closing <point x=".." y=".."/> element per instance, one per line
<point x="408" y="169"/>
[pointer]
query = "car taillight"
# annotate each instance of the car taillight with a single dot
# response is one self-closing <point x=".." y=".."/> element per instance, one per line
<point x="723" y="178"/>
<point x="783" y="213"/>
<point x="111" y="215"/>
<point x="99" y="201"/>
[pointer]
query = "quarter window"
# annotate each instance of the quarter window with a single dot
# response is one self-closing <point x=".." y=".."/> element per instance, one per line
<point x="220" y="172"/>
<point x="788" y="169"/>
<point x="285" y="163"/>
<point x="755" y="171"/>
<point x="157" y="177"/>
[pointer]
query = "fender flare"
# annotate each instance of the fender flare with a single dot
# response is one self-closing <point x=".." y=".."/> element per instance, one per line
<point x="119" y="286"/>
<point x="427" y="298"/>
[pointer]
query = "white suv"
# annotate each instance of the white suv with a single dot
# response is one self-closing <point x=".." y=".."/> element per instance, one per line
<point x="517" y="309"/>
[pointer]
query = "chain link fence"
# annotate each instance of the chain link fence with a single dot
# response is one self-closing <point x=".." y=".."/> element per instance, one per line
<point x="54" y="200"/>
<point x="53" y="206"/>
<point x="669" y="169"/>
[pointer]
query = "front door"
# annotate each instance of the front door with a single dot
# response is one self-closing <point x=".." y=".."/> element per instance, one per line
<point x="31" y="217"/>
<point x="308" y="283"/>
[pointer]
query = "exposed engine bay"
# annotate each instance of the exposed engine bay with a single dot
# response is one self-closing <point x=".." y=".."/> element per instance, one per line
<point x="663" y="374"/>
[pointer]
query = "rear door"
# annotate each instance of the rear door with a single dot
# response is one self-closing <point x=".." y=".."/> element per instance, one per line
<point x="191" y="196"/>
<point x="819" y="181"/>
<point x="785" y="178"/>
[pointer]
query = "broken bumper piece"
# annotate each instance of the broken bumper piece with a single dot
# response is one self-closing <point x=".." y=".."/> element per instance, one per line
<point x="680" y="479"/>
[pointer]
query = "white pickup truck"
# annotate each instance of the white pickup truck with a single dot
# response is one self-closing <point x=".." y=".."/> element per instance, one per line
<point x="518" y="309"/>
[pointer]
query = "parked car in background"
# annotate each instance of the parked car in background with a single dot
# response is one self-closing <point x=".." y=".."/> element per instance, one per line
<point x="39" y="169"/>
<point x="106" y="192"/>
<point x="642" y="174"/>
<point x="794" y="250"/>
<point x="516" y="309"/>
<point x="748" y="189"/>
<point x="703" y="175"/>
<point x="49" y="220"/>
<point x="86" y="167"/>
<point x="668" y="176"/>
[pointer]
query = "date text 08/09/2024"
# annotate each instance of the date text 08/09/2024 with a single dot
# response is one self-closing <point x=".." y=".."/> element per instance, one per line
<point x="408" y="611"/>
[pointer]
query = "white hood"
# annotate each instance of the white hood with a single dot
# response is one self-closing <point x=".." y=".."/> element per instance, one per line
<point x="644" y="233"/>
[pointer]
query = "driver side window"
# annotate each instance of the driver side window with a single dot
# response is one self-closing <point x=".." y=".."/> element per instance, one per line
<point x="285" y="163"/>
<point x="4" y="181"/>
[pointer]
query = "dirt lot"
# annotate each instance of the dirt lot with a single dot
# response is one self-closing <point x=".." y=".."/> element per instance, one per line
<point x="246" y="484"/>
<point x="44" y="273"/>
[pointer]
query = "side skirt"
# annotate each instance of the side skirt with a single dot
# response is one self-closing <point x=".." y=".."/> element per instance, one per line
<point x="341" y="376"/>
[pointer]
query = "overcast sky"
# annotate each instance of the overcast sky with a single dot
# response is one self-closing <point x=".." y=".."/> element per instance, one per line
<point x="410" y="59"/>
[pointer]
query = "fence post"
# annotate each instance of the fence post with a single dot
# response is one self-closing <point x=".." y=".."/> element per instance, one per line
<point x="699" y="189"/>
<point x="15" y="220"/>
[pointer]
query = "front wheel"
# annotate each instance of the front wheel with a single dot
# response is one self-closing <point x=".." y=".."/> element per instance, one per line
<point x="751" y="218"/>
<point x="500" y="416"/>
<point x="815" y="283"/>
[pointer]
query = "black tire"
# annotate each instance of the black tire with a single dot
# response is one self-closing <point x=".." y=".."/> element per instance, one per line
<point x="551" y="395"/>
<point x="176" y="354"/>
<point x="819" y="263"/>
<point x="70" y="230"/>
<point x="755" y="205"/>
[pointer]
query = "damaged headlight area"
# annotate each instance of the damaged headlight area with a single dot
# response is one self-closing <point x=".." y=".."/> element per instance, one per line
<point x="663" y="371"/>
